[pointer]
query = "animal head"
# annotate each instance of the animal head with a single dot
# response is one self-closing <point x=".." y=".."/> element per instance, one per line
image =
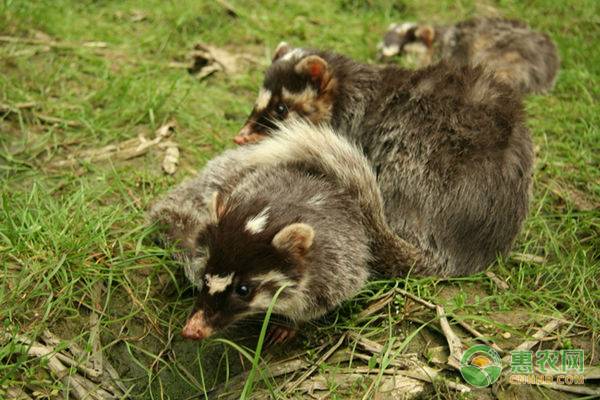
<point x="399" y="37"/>
<point x="253" y="249"/>
<point x="298" y="84"/>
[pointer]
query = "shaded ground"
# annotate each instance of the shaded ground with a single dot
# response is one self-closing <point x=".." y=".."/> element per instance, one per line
<point x="74" y="254"/>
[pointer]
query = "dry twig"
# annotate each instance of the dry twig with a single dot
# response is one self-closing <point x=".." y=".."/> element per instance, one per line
<point x="80" y="386"/>
<point x="312" y="369"/>
<point x="18" y="107"/>
<point x="528" y="258"/>
<point x="125" y="150"/>
<point x="462" y="323"/>
<point x="497" y="281"/>
<point x="13" y="393"/>
<point x="53" y="43"/>
<point x="454" y="342"/>
<point x="96" y="356"/>
<point x="377" y="305"/>
<point x="540" y="334"/>
<point x="416" y="298"/>
<point x="407" y="366"/>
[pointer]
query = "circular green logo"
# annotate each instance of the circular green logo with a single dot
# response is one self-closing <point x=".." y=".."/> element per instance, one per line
<point x="480" y="366"/>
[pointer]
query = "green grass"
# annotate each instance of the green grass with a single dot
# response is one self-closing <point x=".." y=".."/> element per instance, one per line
<point x="67" y="233"/>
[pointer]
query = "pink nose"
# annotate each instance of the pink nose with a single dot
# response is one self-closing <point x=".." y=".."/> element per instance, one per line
<point x="196" y="327"/>
<point x="247" y="139"/>
<point x="197" y="335"/>
<point x="243" y="134"/>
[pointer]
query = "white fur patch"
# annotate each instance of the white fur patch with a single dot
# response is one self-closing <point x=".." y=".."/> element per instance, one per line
<point x="276" y="277"/>
<point x="218" y="284"/>
<point x="262" y="300"/>
<point x="391" y="50"/>
<point x="264" y="96"/>
<point x="405" y="27"/>
<point x="258" y="223"/>
<point x="415" y="47"/>
<point x="304" y="96"/>
<point x="296" y="306"/>
<point x="293" y="54"/>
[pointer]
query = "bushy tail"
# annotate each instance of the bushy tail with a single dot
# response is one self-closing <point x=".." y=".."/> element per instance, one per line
<point x="320" y="148"/>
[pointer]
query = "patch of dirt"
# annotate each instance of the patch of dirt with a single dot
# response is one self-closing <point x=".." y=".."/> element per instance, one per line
<point x="467" y="291"/>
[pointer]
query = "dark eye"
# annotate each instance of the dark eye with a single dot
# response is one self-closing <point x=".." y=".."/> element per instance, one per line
<point x="242" y="290"/>
<point x="280" y="109"/>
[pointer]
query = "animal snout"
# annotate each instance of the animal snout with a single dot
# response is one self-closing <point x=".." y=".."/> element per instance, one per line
<point x="243" y="134"/>
<point x="247" y="135"/>
<point x="196" y="327"/>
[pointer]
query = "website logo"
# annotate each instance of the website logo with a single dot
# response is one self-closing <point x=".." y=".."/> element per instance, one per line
<point x="480" y="366"/>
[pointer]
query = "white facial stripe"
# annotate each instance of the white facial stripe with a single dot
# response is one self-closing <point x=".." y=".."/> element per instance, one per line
<point x="292" y="54"/>
<point x="277" y="277"/>
<point x="218" y="284"/>
<point x="261" y="301"/>
<point x="303" y="97"/>
<point x="257" y="223"/>
<point x="297" y="305"/>
<point x="405" y="27"/>
<point x="264" y="96"/>
<point x="390" y="50"/>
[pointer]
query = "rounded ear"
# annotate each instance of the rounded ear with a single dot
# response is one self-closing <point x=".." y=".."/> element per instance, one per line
<point x="216" y="207"/>
<point x="426" y="34"/>
<point x="282" y="49"/>
<point x="315" y="67"/>
<point x="295" y="238"/>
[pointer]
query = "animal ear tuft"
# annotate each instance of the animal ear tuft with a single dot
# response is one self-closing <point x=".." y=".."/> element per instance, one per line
<point x="295" y="238"/>
<point x="282" y="49"/>
<point x="315" y="67"/>
<point x="216" y="208"/>
<point x="426" y="33"/>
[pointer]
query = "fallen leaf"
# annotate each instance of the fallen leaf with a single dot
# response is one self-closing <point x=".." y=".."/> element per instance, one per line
<point x="228" y="8"/>
<point x="497" y="281"/>
<point x="171" y="159"/>
<point x="580" y="200"/>
<point x="207" y="59"/>
<point x="125" y="150"/>
<point x="138" y="16"/>
<point x="166" y="130"/>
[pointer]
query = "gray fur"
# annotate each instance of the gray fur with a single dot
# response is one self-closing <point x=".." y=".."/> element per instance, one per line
<point x="453" y="160"/>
